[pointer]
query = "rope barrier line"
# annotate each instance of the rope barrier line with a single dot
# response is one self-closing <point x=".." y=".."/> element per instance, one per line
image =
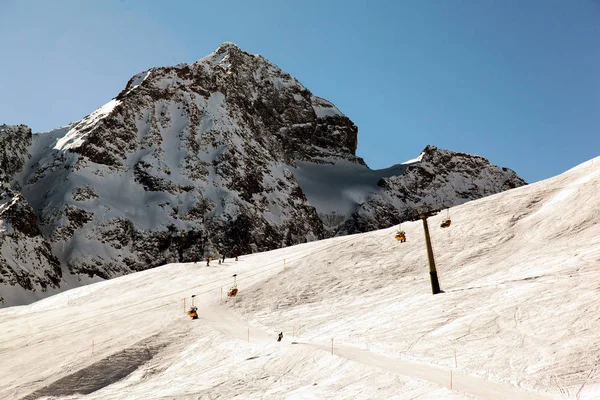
<point x="277" y="264"/>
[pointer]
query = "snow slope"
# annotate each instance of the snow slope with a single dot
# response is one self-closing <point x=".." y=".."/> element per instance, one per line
<point x="518" y="318"/>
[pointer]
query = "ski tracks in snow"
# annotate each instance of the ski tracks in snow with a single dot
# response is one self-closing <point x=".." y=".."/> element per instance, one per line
<point x="229" y="323"/>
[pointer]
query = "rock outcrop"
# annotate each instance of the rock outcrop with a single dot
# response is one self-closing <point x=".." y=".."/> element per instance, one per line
<point x="439" y="179"/>
<point x="26" y="259"/>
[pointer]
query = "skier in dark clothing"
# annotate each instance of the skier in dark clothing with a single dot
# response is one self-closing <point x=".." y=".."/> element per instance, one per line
<point x="235" y="253"/>
<point x="223" y="257"/>
<point x="280" y="336"/>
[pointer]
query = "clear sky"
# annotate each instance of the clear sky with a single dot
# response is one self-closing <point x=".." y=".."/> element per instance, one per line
<point x="517" y="82"/>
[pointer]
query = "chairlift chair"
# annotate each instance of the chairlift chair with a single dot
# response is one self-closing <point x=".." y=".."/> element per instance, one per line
<point x="446" y="222"/>
<point x="234" y="290"/>
<point x="193" y="312"/>
<point x="401" y="236"/>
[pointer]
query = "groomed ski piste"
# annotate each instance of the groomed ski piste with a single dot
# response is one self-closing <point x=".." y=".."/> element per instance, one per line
<point x="519" y="317"/>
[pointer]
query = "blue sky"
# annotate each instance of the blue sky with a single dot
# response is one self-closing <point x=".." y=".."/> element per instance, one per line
<point x="517" y="82"/>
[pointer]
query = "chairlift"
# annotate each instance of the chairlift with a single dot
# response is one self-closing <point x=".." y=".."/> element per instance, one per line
<point x="234" y="290"/>
<point x="446" y="222"/>
<point x="400" y="235"/>
<point x="193" y="312"/>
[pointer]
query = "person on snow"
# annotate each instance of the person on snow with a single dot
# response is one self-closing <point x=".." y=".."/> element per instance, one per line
<point x="280" y="336"/>
<point x="235" y="253"/>
<point x="223" y="258"/>
<point x="208" y="262"/>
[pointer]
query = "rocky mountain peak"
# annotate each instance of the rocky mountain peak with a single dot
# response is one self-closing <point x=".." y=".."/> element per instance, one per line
<point x="194" y="160"/>
<point x="435" y="155"/>
<point x="232" y="97"/>
<point x="447" y="161"/>
<point x="229" y="48"/>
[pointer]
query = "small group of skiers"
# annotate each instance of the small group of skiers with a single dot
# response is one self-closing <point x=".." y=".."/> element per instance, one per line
<point x="221" y="258"/>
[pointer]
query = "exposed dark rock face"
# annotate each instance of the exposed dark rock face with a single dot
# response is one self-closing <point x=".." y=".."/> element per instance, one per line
<point x="194" y="160"/>
<point x="26" y="259"/>
<point x="14" y="143"/>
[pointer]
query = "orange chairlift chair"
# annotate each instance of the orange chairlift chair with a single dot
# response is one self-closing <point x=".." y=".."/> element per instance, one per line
<point x="400" y="235"/>
<point x="234" y="290"/>
<point x="446" y="222"/>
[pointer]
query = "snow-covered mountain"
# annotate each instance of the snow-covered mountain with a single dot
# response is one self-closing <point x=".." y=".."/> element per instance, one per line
<point x="518" y="318"/>
<point x="195" y="160"/>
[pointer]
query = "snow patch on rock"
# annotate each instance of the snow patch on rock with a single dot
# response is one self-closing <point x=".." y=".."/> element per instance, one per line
<point x="76" y="135"/>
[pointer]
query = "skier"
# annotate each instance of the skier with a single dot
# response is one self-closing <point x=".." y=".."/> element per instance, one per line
<point x="208" y="262"/>
<point x="235" y="253"/>
<point x="223" y="258"/>
<point x="280" y="336"/>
